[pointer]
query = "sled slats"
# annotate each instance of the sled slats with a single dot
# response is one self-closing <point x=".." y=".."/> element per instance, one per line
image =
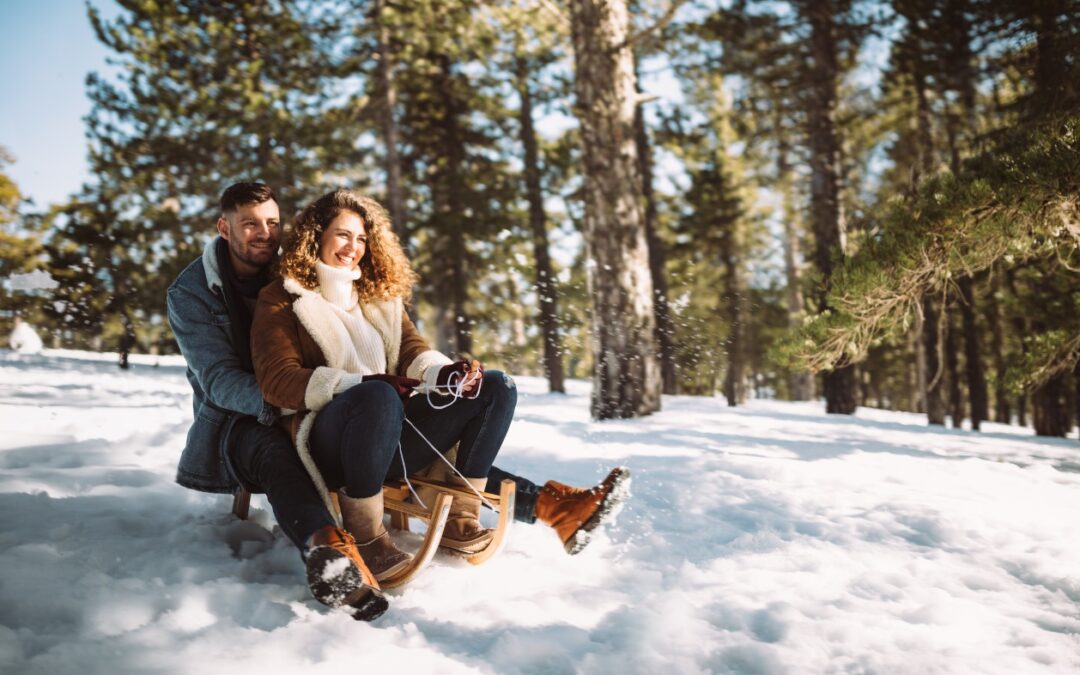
<point x="413" y="510"/>
<point x="507" y="492"/>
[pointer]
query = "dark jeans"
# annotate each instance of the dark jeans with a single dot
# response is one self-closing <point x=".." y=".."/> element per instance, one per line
<point x="524" y="500"/>
<point x="263" y="459"/>
<point x="355" y="438"/>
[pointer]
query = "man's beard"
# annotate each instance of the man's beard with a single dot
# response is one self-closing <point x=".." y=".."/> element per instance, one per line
<point x="255" y="258"/>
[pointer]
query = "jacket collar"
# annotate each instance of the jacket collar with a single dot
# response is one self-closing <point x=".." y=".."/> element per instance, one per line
<point x="210" y="266"/>
<point x="318" y="318"/>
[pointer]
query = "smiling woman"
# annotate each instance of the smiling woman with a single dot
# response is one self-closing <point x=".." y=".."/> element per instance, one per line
<point x="331" y="339"/>
<point x="344" y="241"/>
<point x="385" y="270"/>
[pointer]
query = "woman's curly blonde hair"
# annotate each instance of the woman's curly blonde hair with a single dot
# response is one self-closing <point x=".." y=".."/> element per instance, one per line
<point x="386" y="272"/>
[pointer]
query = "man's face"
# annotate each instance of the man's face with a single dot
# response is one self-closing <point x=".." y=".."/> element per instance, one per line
<point x="253" y="232"/>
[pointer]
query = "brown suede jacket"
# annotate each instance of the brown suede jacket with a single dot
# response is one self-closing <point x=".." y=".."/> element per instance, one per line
<point x="297" y="346"/>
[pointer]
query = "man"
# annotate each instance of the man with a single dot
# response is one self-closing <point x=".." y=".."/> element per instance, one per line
<point x="210" y="306"/>
<point x="234" y="439"/>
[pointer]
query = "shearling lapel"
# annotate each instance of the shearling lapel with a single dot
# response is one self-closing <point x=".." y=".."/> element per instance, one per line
<point x="385" y="316"/>
<point x="330" y="334"/>
<point x="324" y="328"/>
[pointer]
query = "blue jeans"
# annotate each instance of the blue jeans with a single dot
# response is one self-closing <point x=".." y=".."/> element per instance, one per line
<point x="262" y="459"/>
<point x="355" y="438"/>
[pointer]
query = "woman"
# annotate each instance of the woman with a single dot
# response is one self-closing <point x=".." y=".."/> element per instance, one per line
<point x="331" y="339"/>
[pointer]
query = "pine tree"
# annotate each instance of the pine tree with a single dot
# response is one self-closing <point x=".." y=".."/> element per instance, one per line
<point x="627" y="379"/>
<point x="826" y="219"/>
<point x="208" y="94"/>
<point x="793" y="58"/>
<point x="665" y="329"/>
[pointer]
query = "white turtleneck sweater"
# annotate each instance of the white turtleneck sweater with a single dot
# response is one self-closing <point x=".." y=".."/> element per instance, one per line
<point x="368" y="355"/>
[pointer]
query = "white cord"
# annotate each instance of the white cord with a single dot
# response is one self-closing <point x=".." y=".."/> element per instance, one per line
<point x="405" y="475"/>
<point x="452" y="467"/>
<point x="455" y="388"/>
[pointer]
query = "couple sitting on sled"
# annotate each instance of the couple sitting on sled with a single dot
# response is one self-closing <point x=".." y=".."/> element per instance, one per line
<point x="309" y="377"/>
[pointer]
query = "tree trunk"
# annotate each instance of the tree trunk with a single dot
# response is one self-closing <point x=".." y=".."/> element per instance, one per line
<point x="800" y="384"/>
<point x="665" y="331"/>
<point x="952" y="367"/>
<point x="455" y="322"/>
<point x="1051" y="416"/>
<point x="518" y="340"/>
<point x="1021" y="328"/>
<point x="1053" y="87"/>
<point x="931" y="376"/>
<point x="732" y="302"/>
<point x="388" y="92"/>
<point x="839" y="384"/>
<point x="997" y="346"/>
<point x="545" y="276"/>
<point x="916" y="367"/>
<point x="626" y="381"/>
<point x="935" y="405"/>
<point x="1076" y="393"/>
<point x="976" y="377"/>
<point x="127" y="340"/>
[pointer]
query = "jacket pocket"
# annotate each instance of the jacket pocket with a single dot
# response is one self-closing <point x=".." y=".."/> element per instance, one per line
<point x="201" y="460"/>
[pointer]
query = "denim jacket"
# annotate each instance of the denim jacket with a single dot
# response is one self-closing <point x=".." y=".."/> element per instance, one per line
<point x="223" y="390"/>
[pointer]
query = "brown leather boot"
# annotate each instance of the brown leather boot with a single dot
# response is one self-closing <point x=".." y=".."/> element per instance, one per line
<point x="575" y="512"/>
<point x="337" y="575"/>
<point x="363" y="518"/>
<point x="464" y="534"/>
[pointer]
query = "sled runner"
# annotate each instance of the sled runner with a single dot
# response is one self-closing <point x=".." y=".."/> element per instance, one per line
<point x="395" y="496"/>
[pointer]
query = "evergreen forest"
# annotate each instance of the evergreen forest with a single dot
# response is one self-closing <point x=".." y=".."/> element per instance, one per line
<point x="868" y="203"/>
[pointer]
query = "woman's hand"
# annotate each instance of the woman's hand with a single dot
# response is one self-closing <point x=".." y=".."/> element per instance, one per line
<point x="403" y="385"/>
<point x="464" y="376"/>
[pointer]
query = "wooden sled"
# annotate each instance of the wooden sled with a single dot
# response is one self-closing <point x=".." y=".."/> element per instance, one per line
<point x="503" y="502"/>
<point x="396" y="493"/>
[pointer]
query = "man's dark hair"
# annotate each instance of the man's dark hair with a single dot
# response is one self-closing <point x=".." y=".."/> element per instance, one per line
<point x="239" y="194"/>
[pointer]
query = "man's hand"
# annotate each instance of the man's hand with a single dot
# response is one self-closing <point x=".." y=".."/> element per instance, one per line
<point x="464" y="376"/>
<point x="403" y="385"/>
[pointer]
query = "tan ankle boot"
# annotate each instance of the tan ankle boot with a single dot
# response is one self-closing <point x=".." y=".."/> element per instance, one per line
<point x="464" y="533"/>
<point x="575" y="512"/>
<point x="363" y="518"/>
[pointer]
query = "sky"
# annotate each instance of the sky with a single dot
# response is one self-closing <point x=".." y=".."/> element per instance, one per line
<point x="46" y="49"/>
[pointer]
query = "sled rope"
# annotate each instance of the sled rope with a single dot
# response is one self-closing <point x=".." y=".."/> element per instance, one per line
<point x="455" y="385"/>
<point x="405" y="473"/>
<point x="452" y="468"/>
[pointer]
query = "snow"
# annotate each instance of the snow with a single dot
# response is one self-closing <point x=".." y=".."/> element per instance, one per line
<point x="24" y="339"/>
<point x="769" y="538"/>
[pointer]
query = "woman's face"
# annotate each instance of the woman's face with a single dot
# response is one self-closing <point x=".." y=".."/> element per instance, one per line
<point x="343" y="242"/>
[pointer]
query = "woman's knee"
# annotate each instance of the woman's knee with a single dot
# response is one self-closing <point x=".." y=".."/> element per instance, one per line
<point x="376" y="397"/>
<point x="500" y="386"/>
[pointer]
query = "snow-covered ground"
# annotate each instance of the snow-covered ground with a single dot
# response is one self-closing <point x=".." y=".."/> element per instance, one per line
<point x="763" y="539"/>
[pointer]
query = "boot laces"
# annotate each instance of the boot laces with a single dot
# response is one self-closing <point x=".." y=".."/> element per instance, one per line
<point x="345" y="543"/>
